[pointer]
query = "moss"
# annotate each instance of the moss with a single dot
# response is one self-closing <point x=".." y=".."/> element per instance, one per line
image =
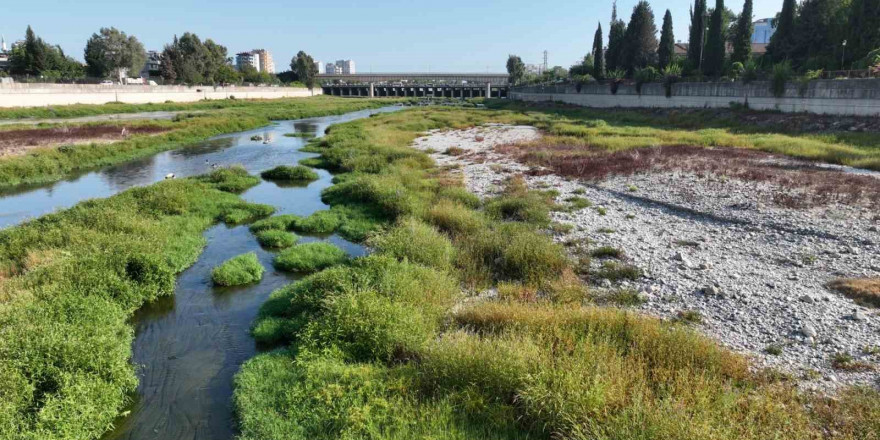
<point x="298" y="173"/>
<point x="243" y="269"/>
<point x="277" y="239"/>
<point x="309" y="257"/>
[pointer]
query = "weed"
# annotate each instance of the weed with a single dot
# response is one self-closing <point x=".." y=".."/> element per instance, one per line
<point x="276" y="239"/>
<point x="278" y="222"/>
<point x="243" y="269"/>
<point x="234" y="179"/>
<point x="577" y="203"/>
<point x="606" y="230"/>
<point x="454" y="151"/>
<point x="689" y="317"/>
<point x="561" y="228"/>
<point x="297" y="173"/>
<point x="844" y="361"/>
<point x="615" y="271"/>
<point x="601" y="210"/>
<point x="309" y="257"/>
<point x="606" y="252"/>
<point x="418" y="242"/>
<point x="864" y="291"/>
<point x="321" y="222"/>
<point x="622" y="297"/>
<point x="773" y="349"/>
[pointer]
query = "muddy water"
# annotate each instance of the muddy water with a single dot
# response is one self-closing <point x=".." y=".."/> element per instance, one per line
<point x="188" y="347"/>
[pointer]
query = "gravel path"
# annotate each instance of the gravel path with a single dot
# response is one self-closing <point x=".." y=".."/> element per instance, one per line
<point x="755" y="272"/>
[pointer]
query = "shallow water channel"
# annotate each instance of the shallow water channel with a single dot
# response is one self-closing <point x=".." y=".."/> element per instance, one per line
<point x="188" y="346"/>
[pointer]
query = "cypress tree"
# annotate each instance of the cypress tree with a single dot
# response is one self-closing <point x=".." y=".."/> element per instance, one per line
<point x="697" y="34"/>
<point x="742" y="35"/>
<point x="598" y="55"/>
<point x="616" y="33"/>
<point x="666" y="52"/>
<point x="714" y="54"/>
<point x="640" y="39"/>
<point x="782" y="41"/>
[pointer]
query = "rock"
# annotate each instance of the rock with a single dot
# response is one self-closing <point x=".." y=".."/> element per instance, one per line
<point x="808" y="331"/>
<point x="859" y="316"/>
<point x="712" y="290"/>
<point x="807" y="299"/>
<point x="605" y="283"/>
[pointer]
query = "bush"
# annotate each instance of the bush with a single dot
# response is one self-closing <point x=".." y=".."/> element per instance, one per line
<point x="415" y="241"/>
<point x="750" y="71"/>
<point x="309" y="257"/>
<point x="644" y="75"/>
<point x="782" y="73"/>
<point x="454" y="218"/>
<point x="321" y="222"/>
<point x="243" y="269"/>
<point x="274" y="238"/>
<point x="289" y="173"/>
<point x="671" y="75"/>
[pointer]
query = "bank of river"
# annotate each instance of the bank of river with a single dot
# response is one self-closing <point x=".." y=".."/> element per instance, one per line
<point x="188" y="346"/>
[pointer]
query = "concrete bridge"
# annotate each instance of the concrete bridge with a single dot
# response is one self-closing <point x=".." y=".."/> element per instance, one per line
<point x="414" y="90"/>
<point x="420" y="78"/>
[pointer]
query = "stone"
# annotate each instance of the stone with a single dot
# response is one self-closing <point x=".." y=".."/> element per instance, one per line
<point x="859" y="316"/>
<point x="807" y="299"/>
<point x="808" y="331"/>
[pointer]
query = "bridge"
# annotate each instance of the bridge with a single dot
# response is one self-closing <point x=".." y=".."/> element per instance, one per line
<point x="419" y="78"/>
<point x="486" y="90"/>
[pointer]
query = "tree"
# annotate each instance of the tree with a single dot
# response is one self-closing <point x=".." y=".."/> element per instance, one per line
<point x="111" y="52"/>
<point x="598" y="55"/>
<point x="697" y="35"/>
<point x="818" y="33"/>
<point x="782" y="41"/>
<point x="516" y="69"/>
<point x="36" y="52"/>
<point x="640" y="40"/>
<point x="304" y="66"/>
<point x="716" y="42"/>
<point x="36" y="57"/>
<point x="864" y="28"/>
<point x="666" y="52"/>
<point x="614" y="54"/>
<point x="741" y="40"/>
<point x="190" y="61"/>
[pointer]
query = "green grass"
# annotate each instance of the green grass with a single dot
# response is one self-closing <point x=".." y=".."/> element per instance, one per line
<point x="70" y="282"/>
<point x="384" y="348"/>
<point x="606" y="252"/>
<point x="297" y="173"/>
<point x="276" y="239"/>
<point x="277" y="222"/>
<point x="48" y="164"/>
<point x="243" y="269"/>
<point x="234" y="179"/>
<point x="309" y="257"/>
<point x="321" y="222"/>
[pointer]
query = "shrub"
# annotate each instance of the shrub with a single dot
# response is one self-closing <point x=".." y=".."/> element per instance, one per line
<point x="781" y="74"/>
<point x="290" y="173"/>
<point x="459" y="195"/>
<point x="418" y="242"/>
<point x="615" y="77"/>
<point x="243" y="269"/>
<point x="614" y="271"/>
<point x="671" y="75"/>
<point x="606" y="252"/>
<point x="274" y="238"/>
<point x="321" y="222"/>
<point x="750" y="71"/>
<point x="530" y="208"/>
<point x="644" y="75"/>
<point x="309" y="257"/>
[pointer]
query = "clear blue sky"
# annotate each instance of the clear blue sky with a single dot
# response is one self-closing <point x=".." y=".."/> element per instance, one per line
<point x="382" y="35"/>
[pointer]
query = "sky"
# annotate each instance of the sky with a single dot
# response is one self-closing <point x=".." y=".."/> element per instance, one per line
<point x="380" y="35"/>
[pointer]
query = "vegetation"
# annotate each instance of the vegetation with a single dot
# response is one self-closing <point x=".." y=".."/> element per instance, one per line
<point x="243" y="269"/>
<point x="112" y="53"/>
<point x="223" y="116"/>
<point x="70" y="281"/>
<point x="666" y="50"/>
<point x="640" y="39"/>
<point x="277" y="239"/>
<point x="306" y="71"/>
<point x="290" y="173"/>
<point x="321" y="222"/>
<point x="188" y="60"/>
<point x="309" y="257"/>
<point x="614" y="54"/>
<point x="516" y="69"/>
<point x="40" y="59"/>
<point x="716" y="42"/>
<point x="863" y="290"/>
<point x="598" y="55"/>
<point x="741" y="37"/>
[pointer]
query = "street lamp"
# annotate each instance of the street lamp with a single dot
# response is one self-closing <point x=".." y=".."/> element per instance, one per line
<point x="843" y="55"/>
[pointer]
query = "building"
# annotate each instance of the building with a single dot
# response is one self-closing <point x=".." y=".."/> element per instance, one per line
<point x="245" y="59"/>
<point x="347" y="67"/>
<point x="318" y="67"/>
<point x="153" y="64"/>
<point x="535" y="69"/>
<point x="333" y="69"/>
<point x="265" y="61"/>
<point x="4" y="54"/>
<point x="764" y="29"/>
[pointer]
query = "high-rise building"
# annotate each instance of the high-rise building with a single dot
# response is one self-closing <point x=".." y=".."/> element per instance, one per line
<point x="318" y="66"/>
<point x="266" y="63"/>
<point x="245" y="59"/>
<point x="764" y="29"/>
<point x="347" y="66"/>
<point x="153" y="64"/>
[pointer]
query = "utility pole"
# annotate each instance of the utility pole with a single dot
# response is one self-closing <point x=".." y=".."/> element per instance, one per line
<point x="545" y="61"/>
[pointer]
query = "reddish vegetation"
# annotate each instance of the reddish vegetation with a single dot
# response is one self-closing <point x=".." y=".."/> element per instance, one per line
<point x="815" y="186"/>
<point x="17" y="141"/>
<point x="862" y="290"/>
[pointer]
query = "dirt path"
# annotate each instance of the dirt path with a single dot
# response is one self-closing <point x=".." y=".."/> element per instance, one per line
<point x="161" y="115"/>
<point x="755" y="272"/>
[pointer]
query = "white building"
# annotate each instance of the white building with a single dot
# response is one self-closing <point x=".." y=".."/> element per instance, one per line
<point x="535" y="69"/>
<point x="244" y="59"/>
<point x="333" y="69"/>
<point x="265" y="61"/>
<point x="318" y="66"/>
<point x="764" y="29"/>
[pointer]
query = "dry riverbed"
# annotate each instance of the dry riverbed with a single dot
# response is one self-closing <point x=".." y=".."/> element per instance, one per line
<point x="746" y="256"/>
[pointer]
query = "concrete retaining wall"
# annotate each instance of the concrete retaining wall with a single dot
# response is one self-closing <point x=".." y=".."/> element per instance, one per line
<point x="859" y="97"/>
<point x="36" y="95"/>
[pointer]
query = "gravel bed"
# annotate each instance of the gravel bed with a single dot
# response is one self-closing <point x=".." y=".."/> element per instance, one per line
<point x="754" y="271"/>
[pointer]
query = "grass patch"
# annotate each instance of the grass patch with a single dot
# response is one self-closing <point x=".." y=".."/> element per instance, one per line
<point x="321" y="222"/>
<point x="243" y="269"/>
<point x="276" y="239"/>
<point x="309" y="257"/>
<point x="234" y="179"/>
<point x="288" y="173"/>
<point x="615" y="271"/>
<point x="413" y="240"/>
<point x="278" y="222"/>
<point x="577" y="203"/>
<point x="864" y="291"/>
<point x="607" y="252"/>
<point x="688" y="317"/>
<point x="845" y="362"/>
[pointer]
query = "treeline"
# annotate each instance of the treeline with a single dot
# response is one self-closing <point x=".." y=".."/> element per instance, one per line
<point x="110" y="53"/>
<point x="811" y="36"/>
